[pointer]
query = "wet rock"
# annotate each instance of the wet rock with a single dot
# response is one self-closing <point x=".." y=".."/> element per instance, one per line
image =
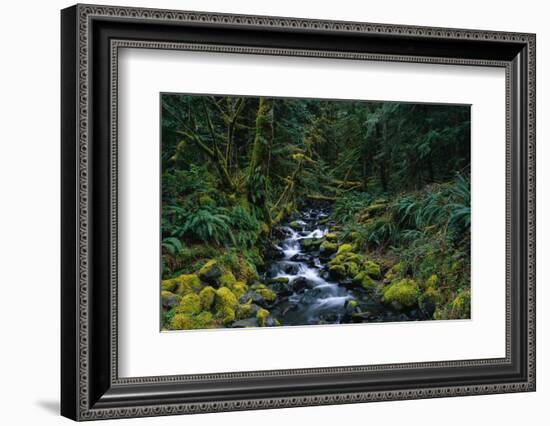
<point x="281" y="288"/>
<point x="291" y="268"/>
<point x="243" y="323"/>
<point x="299" y="284"/>
<point x="311" y="244"/>
<point x="210" y="273"/>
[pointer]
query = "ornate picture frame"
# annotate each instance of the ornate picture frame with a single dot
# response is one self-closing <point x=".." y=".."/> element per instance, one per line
<point x="91" y="38"/>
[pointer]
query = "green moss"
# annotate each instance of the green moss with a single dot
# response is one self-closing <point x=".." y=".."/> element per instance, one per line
<point x="187" y="283"/>
<point x="432" y="281"/>
<point x="344" y="248"/>
<point x="332" y="237"/>
<point x="210" y="272"/>
<point x="394" y="272"/>
<point x="364" y="279"/>
<point x="351" y="269"/>
<point x="206" y="200"/>
<point x="282" y="280"/>
<point x="189" y="304"/>
<point x="403" y="292"/>
<point x="239" y="289"/>
<point x="227" y="279"/>
<point x="338" y="270"/>
<point x="244" y="270"/>
<point x="328" y="247"/>
<point x="267" y="294"/>
<point x="169" y="299"/>
<point x="169" y="285"/>
<point x="372" y="268"/>
<point x="244" y="310"/>
<point x="352" y="303"/>
<point x="207" y="296"/>
<point x="225" y="304"/>
<point x="261" y="317"/>
<point x="460" y="307"/>
<point x="181" y="321"/>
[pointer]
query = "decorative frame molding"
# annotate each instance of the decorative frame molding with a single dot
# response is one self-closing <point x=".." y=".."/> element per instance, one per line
<point x="91" y="388"/>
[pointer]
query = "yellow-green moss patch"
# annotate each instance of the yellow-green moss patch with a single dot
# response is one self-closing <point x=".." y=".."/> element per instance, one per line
<point x="261" y="317"/>
<point x="207" y="296"/>
<point x="189" y="304"/>
<point x="403" y="292"/>
<point x="225" y="304"/>
<point x="187" y="283"/>
<point x="372" y="268"/>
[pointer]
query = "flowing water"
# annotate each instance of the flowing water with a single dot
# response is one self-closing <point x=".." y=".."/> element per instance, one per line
<point x="311" y="296"/>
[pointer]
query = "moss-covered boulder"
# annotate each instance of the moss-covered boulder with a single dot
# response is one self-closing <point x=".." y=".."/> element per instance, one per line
<point x="169" y="299"/>
<point x="187" y="283"/>
<point x="189" y="304"/>
<point x="267" y="294"/>
<point x="337" y="271"/>
<point x="239" y="289"/>
<point x="225" y="304"/>
<point x="344" y="248"/>
<point x="246" y="310"/>
<point x="210" y="273"/>
<point x="402" y="293"/>
<point x="327" y="247"/>
<point x="262" y="317"/>
<point x="170" y="285"/>
<point x="182" y="321"/>
<point x="460" y="307"/>
<point x="364" y="280"/>
<point x="207" y="296"/>
<point x="372" y="269"/>
<point x="227" y="279"/>
<point x="279" y="280"/>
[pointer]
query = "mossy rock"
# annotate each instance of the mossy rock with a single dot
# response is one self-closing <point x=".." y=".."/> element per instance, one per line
<point x="169" y="285"/>
<point x="344" y="248"/>
<point x="261" y="317"/>
<point x="169" y="299"/>
<point x="372" y="268"/>
<point x="332" y="237"/>
<point x="460" y="307"/>
<point x="182" y="321"/>
<point x="207" y="296"/>
<point x="279" y="280"/>
<point x="311" y="244"/>
<point x="227" y="279"/>
<point x="225" y="304"/>
<point x="189" y="304"/>
<point x="244" y="270"/>
<point x="365" y="281"/>
<point x="337" y="271"/>
<point x="246" y="310"/>
<point x="328" y="247"/>
<point x="403" y="292"/>
<point x="239" y="288"/>
<point x="210" y="273"/>
<point x="267" y="294"/>
<point x="187" y="283"/>
<point x="427" y="302"/>
<point x="394" y="272"/>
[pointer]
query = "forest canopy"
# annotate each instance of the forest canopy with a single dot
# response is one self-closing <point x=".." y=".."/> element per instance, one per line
<point x="386" y="181"/>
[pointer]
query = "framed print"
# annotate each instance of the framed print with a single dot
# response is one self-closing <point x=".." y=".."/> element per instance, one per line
<point x="263" y="212"/>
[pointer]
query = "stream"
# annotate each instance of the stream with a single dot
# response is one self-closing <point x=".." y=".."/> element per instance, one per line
<point x="311" y="296"/>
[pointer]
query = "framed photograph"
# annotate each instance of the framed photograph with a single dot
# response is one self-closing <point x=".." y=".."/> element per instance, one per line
<point x="263" y="212"/>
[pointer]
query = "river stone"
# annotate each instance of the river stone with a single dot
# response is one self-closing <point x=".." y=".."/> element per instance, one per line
<point x="299" y="283"/>
<point x="247" y="322"/>
<point x="211" y="275"/>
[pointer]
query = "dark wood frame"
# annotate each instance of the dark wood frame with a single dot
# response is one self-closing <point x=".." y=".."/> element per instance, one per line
<point x="91" y="388"/>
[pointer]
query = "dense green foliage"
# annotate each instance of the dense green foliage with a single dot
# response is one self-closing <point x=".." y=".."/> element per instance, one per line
<point x="396" y="176"/>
